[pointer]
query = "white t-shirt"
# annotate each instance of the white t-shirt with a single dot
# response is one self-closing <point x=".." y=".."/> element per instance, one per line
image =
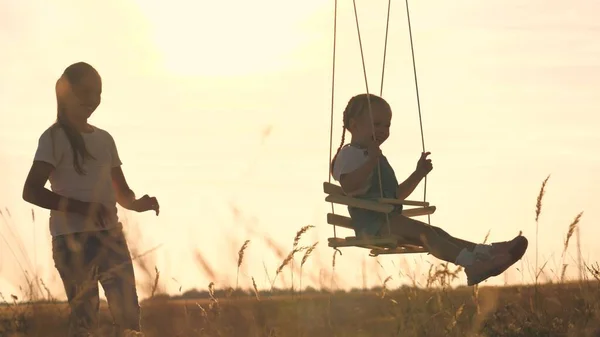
<point x="94" y="186"/>
<point x="349" y="159"/>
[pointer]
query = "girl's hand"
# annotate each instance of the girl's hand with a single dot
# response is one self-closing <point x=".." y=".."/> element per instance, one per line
<point x="146" y="203"/>
<point x="424" y="165"/>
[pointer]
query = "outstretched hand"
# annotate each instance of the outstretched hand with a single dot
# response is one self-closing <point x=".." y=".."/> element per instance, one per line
<point x="424" y="165"/>
<point x="146" y="203"/>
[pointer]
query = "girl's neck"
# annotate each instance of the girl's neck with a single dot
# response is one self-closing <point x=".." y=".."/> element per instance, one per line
<point x="77" y="122"/>
<point x="359" y="142"/>
<point x="81" y="126"/>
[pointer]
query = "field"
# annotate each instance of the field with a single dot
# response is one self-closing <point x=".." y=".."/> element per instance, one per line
<point x="563" y="309"/>
<point x="555" y="307"/>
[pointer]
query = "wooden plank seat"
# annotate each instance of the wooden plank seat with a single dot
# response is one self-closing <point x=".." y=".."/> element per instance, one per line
<point x="389" y="244"/>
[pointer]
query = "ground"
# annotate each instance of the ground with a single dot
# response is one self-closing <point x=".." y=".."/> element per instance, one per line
<point x="553" y="308"/>
<point x="561" y="309"/>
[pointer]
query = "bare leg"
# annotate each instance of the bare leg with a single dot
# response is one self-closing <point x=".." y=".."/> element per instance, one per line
<point x="445" y="247"/>
<point x="441" y="246"/>
<point x="470" y="246"/>
<point x="458" y="242"/>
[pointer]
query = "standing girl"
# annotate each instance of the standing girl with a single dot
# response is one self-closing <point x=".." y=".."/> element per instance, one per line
<point x="368" y="119"/>
<point x="88" y="245"/>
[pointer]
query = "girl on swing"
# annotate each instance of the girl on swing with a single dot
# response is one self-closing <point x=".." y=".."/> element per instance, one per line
<point x="355" y="167"/>
<point x="88" y="244"/>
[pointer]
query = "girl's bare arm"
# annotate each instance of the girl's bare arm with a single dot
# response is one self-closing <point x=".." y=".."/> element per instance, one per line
<point x="36" y="193"/>
<point x="408" y="186"/>
<point x="357" y="179"/>
<point x="125" y="196"/>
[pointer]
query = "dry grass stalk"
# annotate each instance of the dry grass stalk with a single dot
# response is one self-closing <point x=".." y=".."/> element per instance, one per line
<point x="299" y="234"/>
<point x="208" y="270"/>
<point x="538" y="211"/>
<point x="304" y="259"/>
<point x="570" y="231"/>
<point x="476" y="299"/>
<point x="240" y="259"/>
<point x="155" y="285"/>
<point x="274" y="246"/>
<point x="580" y="262"/>
<point x="255" y="289"/>
<point x="384" y="287"/>
<point x="266" y="272"/>
<point x="541" y="270"/>
<point x="214" y="303"/>
<point x="452" y="324"/>
<point x="594" y="270"/>
<point x="307" y="253"/>
<point x="211" y="290"/>
<point x="538" y="204"/>
<point x="179" y="284"/>
<point x="285" y="262"/>
<point x="49" y="296"/>
<point x="487" y="236"/>
<point x="442" y="274"/>
<point x="203" y="312"/>
<point x="563" y="272"/>
<point x="241" y="253"/>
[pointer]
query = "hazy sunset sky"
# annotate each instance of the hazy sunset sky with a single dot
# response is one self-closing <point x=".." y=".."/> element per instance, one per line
<point x="221" y="110"/>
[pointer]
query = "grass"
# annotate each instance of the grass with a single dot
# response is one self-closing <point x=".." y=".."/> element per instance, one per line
<point x="557" y="307"/>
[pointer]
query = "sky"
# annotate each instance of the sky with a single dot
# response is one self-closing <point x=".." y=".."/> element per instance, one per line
<point x="222" y="111"/>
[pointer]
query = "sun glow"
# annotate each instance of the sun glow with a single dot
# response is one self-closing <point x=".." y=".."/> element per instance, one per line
<point x="197" y="38"/>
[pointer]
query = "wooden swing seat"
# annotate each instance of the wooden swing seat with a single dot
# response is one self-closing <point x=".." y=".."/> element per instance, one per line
<point x="389" y="244"/>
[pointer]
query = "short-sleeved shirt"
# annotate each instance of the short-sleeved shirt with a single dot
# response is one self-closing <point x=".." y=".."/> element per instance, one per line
<point x="351" y="157"/>
<point x="93" y="186"/>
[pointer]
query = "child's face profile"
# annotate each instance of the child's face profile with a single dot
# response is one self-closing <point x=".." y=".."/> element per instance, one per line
<point x="84" y="97"/>
<point x="362" y="128"/>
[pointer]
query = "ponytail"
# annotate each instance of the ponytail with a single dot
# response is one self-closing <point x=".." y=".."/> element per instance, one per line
<point x="70" y="77"/>
<point x="341" y="143"/>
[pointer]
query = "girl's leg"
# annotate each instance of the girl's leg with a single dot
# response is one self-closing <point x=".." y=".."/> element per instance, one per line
<point x="470" y="246"/>
<point x="118" y="280"/>
<point x="515" y="247"/>
<point x="447" y="248"/>
<point x="73" y="256"/>
<point x="417" y="232"/>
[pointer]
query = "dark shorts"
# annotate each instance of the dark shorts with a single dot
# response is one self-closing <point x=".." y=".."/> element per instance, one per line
<point x="369" y="223"/>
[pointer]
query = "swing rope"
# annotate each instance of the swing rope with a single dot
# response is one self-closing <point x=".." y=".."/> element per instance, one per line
<point x="332" y="100"/>
<point x="387" y="26"/>
<point x="368" y="95"/>
<point x="387" y="218"/>
<point x="412" y="50"/>
<point x="415" y="77"/>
